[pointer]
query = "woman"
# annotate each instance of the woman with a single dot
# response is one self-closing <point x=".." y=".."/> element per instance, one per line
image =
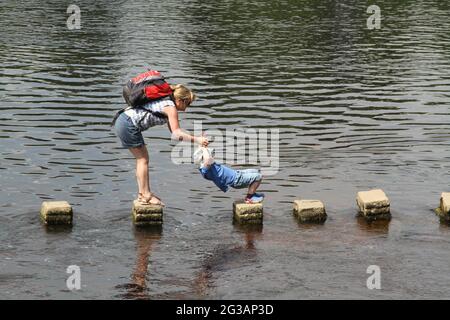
<point x="130" y="124"/>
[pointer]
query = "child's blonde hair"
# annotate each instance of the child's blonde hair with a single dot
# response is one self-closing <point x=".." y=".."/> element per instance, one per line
<point x="183" y="93"/>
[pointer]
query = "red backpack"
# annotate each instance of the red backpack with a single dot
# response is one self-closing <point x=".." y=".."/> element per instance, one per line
<point x="144" y="88"/>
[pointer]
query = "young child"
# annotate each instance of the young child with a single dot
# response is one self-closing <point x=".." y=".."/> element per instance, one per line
<point x="225" y="177"/>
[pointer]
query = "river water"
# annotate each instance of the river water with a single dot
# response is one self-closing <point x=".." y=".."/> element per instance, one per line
<point x="356" y="109"/>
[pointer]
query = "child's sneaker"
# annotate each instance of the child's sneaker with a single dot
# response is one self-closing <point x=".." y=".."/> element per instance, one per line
<point x="254" y="198"/>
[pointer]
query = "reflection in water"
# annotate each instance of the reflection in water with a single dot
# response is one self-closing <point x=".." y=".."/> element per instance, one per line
<point x="251" y="232"/>
<point x="444" y="222"/>
<point x="225" y="258"/>
<point x="146" y="237"/>
<point x="304" y="226"/>
<point x="58" y="229"/>
<point x="376" y="226"/>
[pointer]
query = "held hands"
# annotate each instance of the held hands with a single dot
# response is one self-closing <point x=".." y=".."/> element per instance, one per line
<point x="203" y="141"/>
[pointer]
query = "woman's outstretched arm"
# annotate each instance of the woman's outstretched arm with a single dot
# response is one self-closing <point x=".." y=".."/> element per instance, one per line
<point x="177" y="132"/>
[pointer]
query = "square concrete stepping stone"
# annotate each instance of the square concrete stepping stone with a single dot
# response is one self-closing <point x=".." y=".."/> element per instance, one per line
<point x="247" y="213"/>
<point x="373" y="204"/>
<point x="444" y="208"/>
<point x="147" y="214"/>
<point x="56" y="212"/>
<point x="310" y="211"/>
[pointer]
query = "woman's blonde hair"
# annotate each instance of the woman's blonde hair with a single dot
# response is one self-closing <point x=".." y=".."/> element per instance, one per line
<point x="183" y="93"/>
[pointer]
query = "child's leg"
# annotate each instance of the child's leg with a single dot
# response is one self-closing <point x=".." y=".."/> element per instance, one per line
<point x="248" y="178"/>
<point x="253" y="187"/>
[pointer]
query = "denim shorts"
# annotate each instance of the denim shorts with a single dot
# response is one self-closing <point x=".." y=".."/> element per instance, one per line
<point x="129" y="134"/>
<point x="245" y="178"/>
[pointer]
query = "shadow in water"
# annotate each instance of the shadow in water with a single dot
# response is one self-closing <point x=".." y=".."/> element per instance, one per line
<point x="225" y="257"/>
<point x="145" y="237"/>
<point x="373" y="226"/>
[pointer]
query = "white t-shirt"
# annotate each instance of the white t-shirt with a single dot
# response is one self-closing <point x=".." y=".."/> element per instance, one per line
<point x="147" y="115"/>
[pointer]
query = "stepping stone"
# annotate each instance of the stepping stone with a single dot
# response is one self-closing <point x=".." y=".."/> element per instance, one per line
<point x="374" y="204"/>
<point x="247" y="213"/>
<point x="444" y="208"/>
<point x="56" y="212"/>
<point x="147" y="214"/>
<point x="310" y="211"/>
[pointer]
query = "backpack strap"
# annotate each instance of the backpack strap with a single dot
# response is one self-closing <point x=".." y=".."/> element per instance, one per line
<point x="118" y="113"/>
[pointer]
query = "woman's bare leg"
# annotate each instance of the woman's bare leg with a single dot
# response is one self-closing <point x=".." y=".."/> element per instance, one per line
<point x="142" y="176"/>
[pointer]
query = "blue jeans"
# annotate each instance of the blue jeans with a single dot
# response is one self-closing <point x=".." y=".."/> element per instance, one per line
<point x="244" y="178"/>
<point x="128" y="133"/>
